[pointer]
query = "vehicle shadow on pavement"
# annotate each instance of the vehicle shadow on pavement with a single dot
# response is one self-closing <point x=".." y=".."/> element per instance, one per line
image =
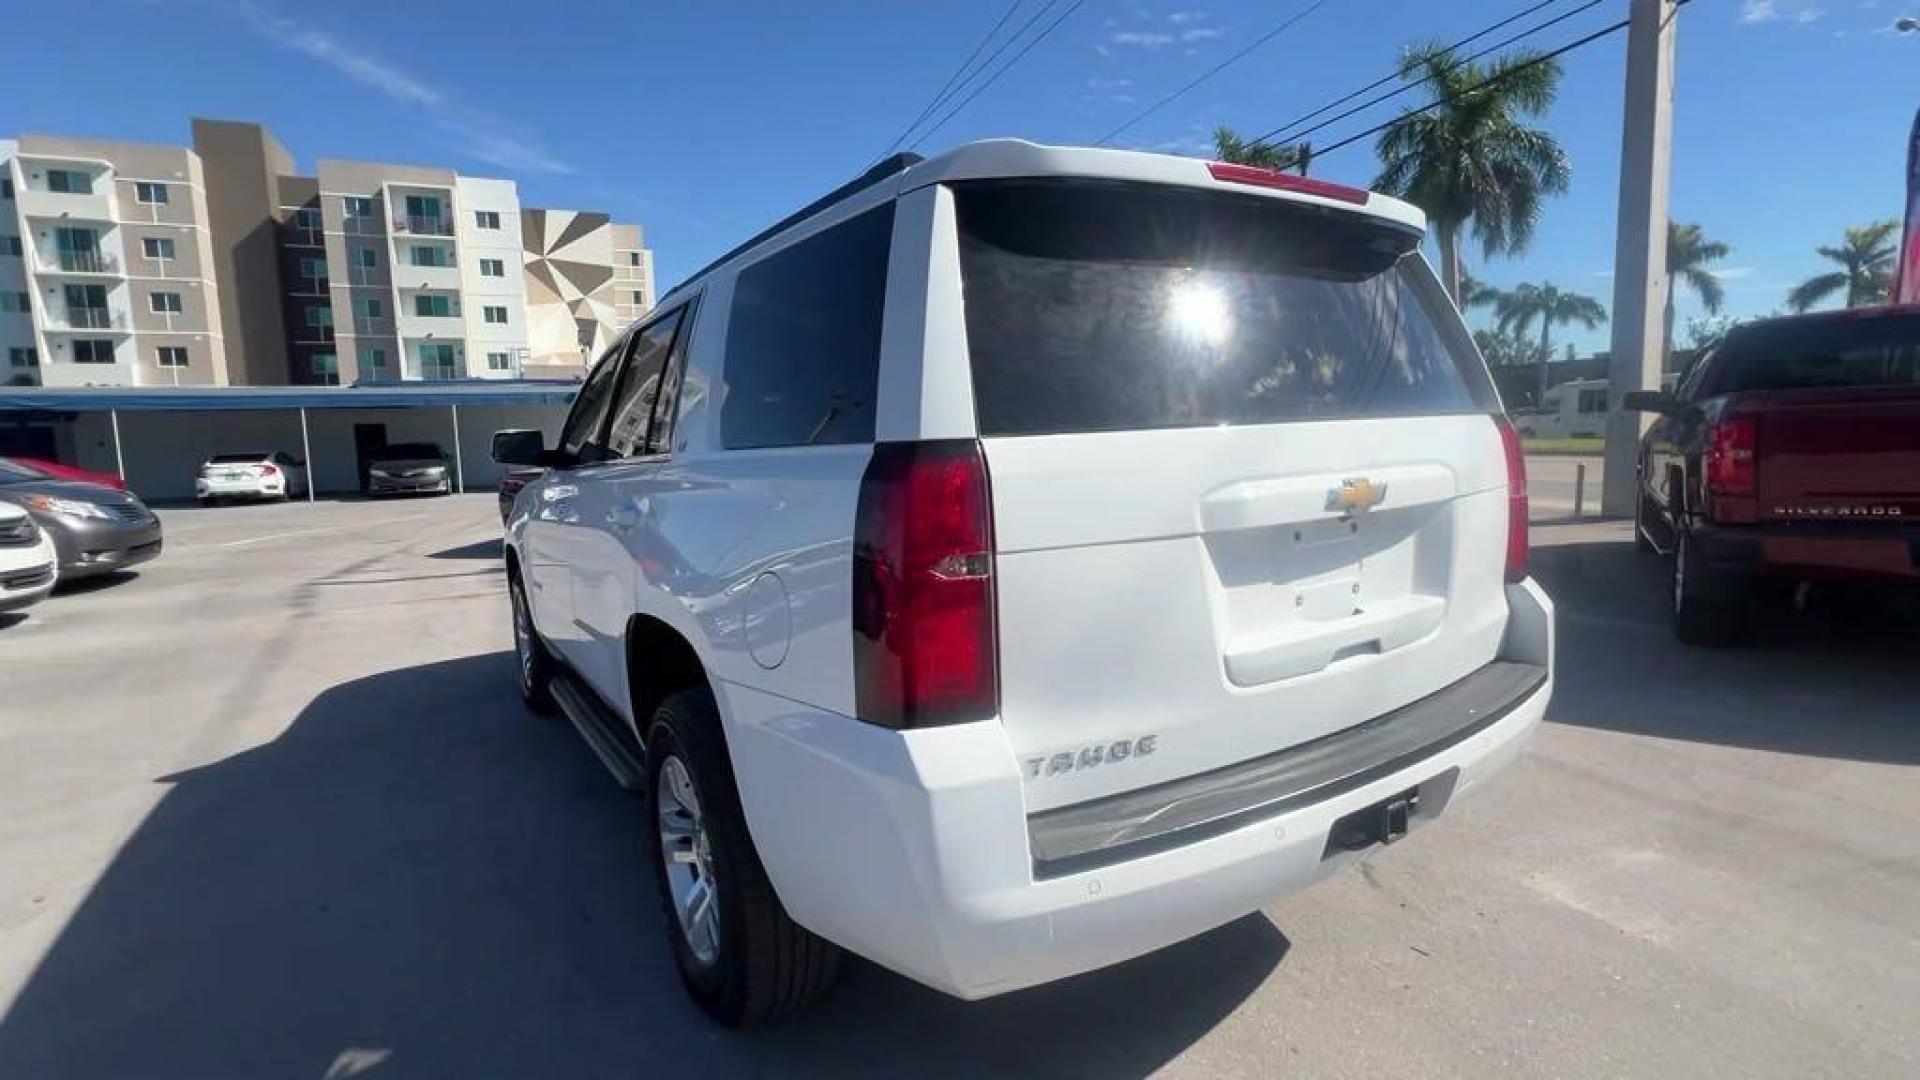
<point x="479" y="549"/>
<point x="418" y="878"/>
<point x="1837" y="679"/>
<point x="94" y="583"/>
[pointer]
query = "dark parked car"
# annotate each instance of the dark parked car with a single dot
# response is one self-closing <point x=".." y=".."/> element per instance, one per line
<point x="1790" y="452"/>
<point x="95" y="528"/>
<point x="401" y="468"/>
<point x="510" y="486"/>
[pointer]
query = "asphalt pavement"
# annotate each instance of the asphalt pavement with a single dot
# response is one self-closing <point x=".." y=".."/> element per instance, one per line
<point x="269" y="807"/>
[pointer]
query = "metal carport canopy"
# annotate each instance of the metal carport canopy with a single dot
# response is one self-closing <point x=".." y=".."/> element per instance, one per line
<point x="114" y="400"/>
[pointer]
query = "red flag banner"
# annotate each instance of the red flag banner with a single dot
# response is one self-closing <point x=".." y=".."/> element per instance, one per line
<point x="1906" y="273"/>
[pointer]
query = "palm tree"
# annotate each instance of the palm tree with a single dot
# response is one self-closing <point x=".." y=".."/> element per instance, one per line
<point x="1280" y="157"/>
<point x="1476" y="293"/>
<point x="1545" y="303"/>
<point x="1468" y="161"/>
<point x="1866" y="268"/>
<point x="1688" y="253"/>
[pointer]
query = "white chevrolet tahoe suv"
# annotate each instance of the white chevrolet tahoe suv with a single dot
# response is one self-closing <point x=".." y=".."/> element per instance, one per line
<point x="1026" y="558"/>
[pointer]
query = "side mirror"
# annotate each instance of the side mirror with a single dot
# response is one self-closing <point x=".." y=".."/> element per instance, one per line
<point x="1653" y="401"/>
<point x="524" y="446"/>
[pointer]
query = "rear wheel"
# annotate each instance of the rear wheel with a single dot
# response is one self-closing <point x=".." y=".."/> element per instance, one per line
<point x="1707" y="607"/>
<point x="532" y="664"/>
<point x="744" y="961"/>
<point x="1640" y="520"/>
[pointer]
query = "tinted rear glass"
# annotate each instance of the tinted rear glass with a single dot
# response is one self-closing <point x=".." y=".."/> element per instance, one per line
<point x="1095" y="306"/>
<point x="803" y="339"/>
<point x="1877" y="351"/>
<point x="403" y="450"/>
<point x="237" y="459"/>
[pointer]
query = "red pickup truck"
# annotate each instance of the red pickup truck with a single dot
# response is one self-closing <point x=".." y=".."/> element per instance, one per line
<point x="1790" y="452"/>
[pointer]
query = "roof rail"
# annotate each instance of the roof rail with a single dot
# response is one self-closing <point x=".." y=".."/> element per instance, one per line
<point x="881" y="170"/>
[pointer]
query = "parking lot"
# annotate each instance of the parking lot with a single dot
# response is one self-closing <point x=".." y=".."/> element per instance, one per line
<point x="270" y="806"/>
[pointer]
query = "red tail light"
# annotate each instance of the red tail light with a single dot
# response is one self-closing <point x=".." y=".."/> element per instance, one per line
<point x="269" y="470"/>
<point x="925" y="650"/>
<point x="1258" y="177"/>
<point x="1516" y="500"/>
<point x="1730" y="454"/>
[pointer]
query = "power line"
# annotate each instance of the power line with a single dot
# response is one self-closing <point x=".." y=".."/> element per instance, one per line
<point x="1491" y="80"/>
<point x="948" y="89"/>
<point x="1386" y="79"/>
<point x="1002" y="69"/>
<point x="1217" y="69"/>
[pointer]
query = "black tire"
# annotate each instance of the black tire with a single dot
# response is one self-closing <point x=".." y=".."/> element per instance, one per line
<point x="533" y="665"/>
<point x="1708" y="608"/>
<point x="1640" y="518"/>
<point x="763" y="966"/>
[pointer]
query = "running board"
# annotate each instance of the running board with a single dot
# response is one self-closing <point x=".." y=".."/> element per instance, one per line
<point x="602" y="729"/>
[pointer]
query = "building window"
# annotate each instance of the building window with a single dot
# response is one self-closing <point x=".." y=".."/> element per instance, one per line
<point x="494" y="314"/>
<point x="367" y="258"/>
<point x="308" y="218"/>
<point x="23" y="358"/>
<point x="433" y="307"/>
<point x="486" y="219"/>
<point x="357" y="206"/>
<point x="368" y="307"/>
<point x="172" y="356"/>
<point x="639" y="298"/>
<point x="315" y="270"/>
<point x="493" y="268"/>
<point x="146" y="191"/>
<point x="157" y="247"/>
<point x="13" y="246"/>
<point x="325" y="367"/>
<point x="438" y="360"/>
<point x="92" y="351"/>
<point x="15" y="301"/>
<point x="499" y="361"/>
<point x="69" y="182"/>
<point x="6" y="188"/>
<point x="164" y="302"/>
<point x="427" y="255"/>
<point x="633" y="258"/>
<point x="372" y="358"/>
<point x="320" y="316"/>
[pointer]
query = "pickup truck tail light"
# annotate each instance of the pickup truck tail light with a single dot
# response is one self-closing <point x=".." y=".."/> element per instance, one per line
<point x="1517" y="539"/>
<point x="925" y="648"/>
<point x="1730" y="466"/>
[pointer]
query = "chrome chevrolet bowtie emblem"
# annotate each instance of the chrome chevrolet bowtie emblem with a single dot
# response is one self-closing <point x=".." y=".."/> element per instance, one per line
<point x="1356" y="496"/>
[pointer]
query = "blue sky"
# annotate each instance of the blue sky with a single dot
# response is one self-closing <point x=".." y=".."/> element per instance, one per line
<point x="704" y="122"/>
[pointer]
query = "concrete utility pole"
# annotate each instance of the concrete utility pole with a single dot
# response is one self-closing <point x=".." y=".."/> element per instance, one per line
<point x="1640" y="249"/>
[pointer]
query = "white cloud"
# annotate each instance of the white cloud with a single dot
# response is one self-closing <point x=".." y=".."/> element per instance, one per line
<point x="1181" y="18"/>
<point x="1146" y="39"/>
<point x="481" y="135"/>
<point x="1732" y="273"/>
<point x="1097" y="83"/>
<point x="1201" y="33"/>
<point x="1766" y="11"/>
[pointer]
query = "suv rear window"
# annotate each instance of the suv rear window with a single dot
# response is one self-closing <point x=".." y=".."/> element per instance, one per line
<point x="1876" y="350"/>
<point x="1099" y="306"/>
<point x="803" y="339"/>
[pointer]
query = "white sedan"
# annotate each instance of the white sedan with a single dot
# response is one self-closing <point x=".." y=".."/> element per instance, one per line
<point x="251" y="476"/>
<point x="29" y="566"/>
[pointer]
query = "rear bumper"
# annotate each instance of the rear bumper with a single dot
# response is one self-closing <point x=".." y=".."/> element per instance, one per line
<point x="1864" y="550"/>
<point x="915" y="849"/>
<point x="263" y="489"/>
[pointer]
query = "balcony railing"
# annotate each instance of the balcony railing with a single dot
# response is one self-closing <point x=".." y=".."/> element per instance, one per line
<point x="369" y="325"/>
<point x="92" y="318"/>
<point x="86" y="262"/>
<point x="361" y="225"/>
<point x="424" y="226"/>
<point x="448" y="313"/>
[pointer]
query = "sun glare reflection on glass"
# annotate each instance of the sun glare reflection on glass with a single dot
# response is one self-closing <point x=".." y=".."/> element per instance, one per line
<point x="1199" y="312"/>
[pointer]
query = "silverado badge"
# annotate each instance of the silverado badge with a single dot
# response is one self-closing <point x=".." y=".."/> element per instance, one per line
<point x="1356" y="496"/>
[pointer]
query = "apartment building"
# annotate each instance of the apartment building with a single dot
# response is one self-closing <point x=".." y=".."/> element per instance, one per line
<point x="127" y="264"/>
<point x="105" y="266"/>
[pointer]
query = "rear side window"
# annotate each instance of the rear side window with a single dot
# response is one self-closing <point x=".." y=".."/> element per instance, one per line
<point x="803" y="340"/>
<point x="1097" y="306"/>
<point x="640" y="388"/>
<point x="1879" y="350"/>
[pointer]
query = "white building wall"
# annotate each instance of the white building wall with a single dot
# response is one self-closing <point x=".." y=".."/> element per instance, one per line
<point x="16" y="327"/>
<point x="475" y="195"/>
